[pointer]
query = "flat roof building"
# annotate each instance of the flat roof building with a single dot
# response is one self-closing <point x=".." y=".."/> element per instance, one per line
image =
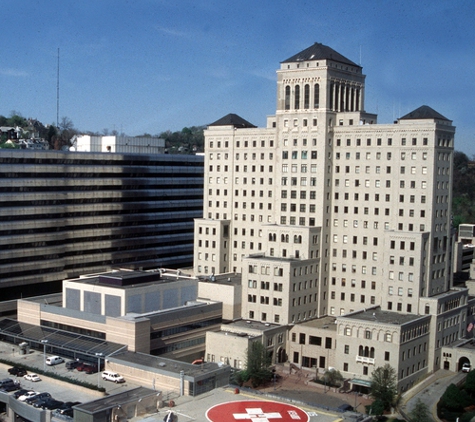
<point x="69" y="213"/>
<point x="152" y="312"/>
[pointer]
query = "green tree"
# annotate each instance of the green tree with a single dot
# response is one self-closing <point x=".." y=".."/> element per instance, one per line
<point x="470" y="383"/>
<point x="420" y="412"/>
<point x="376" y="408"/>
<point x="383" y="385"/>
<point x="453" y="399"/>
<point x="333" y="377"/>
<point x="258" y="364"/>
<point x="16" y="119"/>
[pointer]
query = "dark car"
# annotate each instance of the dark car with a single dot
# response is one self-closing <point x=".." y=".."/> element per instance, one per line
<point x="345" y="407"/>
<point x="7" y="384"/>
<point x="17" y="371"/>
<point x="82" y="366"/>
<point x="67" y="412"/>
<point x="37" y="397"/>
<point x="91" y="369"/>
<point x="19" y="393"/>
<point x="73" y="364"/>
<point x="66" y="408"/>
<point x="49" y="403"/>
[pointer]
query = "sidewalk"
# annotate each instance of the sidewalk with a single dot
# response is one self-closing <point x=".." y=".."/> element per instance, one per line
<point x="298" y="386"/>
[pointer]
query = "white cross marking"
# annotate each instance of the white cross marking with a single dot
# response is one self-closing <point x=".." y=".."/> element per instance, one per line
<point x="257" y="415"/>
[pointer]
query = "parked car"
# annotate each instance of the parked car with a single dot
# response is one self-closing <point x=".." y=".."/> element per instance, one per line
<point x="17" y="371"/>
<point x="345" y="407"/>
<point x="48" y="403"/>
<point x="19" y="393"/>
<point x="112" y="376"/>
<point x="67" y="412"/>
<point x="91" y="369"/>
<point x="54" y="360"/>
<point x="32" y="377"/>
<point x="73" y="364"/>
<point x="66" y="408"/>
<point x="37" y="397"/>
<point x="27" y="395"/>
<point x="82" y="366"/>
<point x="466" y="367"/>
<point x="7" y="384"/>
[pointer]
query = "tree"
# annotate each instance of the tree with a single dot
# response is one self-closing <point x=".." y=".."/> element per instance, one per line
<point x="470" y="383"/>
<point x="420" y="412"/>
<point x="66" y="124"/>
<point x="383" y="385"/>
<point x="454" y="399"/>
<point x="376" y="408"/>
<point x="258" y="364"/>
<point x="333" y="377"/>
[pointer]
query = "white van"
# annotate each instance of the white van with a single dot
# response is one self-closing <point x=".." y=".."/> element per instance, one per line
<point x="54" y="360"/>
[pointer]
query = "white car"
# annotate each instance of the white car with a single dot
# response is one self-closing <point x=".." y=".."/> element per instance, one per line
<point x="466" y="367"/>
<point x="32" y="377"/>
<point x="54" y="360"/>
<point x="112" y="376"/>
<point x="27" y="395"/>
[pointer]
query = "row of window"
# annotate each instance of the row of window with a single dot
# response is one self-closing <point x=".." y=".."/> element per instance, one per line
<point x="246" y="144"/>
<point x="253" y="156"/>
<point x="379" y="142"/>
<point x="294" y="168"/>
<point x="400" y="291"/>
<point x="245" y="168"/>
<point x="312" y="340"/>
<point x="306" y="96"/>
<point x="303" y="155"/>
<point x="292" y="221"/>
<point x="352" y="297"/>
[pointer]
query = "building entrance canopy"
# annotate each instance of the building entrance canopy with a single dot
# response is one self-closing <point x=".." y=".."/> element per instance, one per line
<point x="58" y="341"/>
<point x="363" y="383"/>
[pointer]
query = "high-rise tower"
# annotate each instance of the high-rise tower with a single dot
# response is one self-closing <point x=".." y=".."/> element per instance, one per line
<point x="324" y="211"/>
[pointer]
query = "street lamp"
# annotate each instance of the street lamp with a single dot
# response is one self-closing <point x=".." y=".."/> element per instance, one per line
<point x="44" y="354"/>
<point x="99" y="355"/>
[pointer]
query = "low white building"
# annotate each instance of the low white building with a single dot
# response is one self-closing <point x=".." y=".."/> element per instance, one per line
<point x="120" y="144"/>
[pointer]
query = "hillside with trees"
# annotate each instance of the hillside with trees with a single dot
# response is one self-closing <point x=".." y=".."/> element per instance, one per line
<point x="463" y="196"/>
<point x="189" y="140"/>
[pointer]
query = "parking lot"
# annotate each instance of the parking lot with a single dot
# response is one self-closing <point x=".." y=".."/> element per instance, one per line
<point x="187" y="408"/>
<point x="58" y="389"/>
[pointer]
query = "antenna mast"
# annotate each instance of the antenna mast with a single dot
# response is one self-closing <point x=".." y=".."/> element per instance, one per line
<point x="57" y="93"/>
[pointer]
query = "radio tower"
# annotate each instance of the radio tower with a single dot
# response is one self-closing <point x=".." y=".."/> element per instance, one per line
<point x="57" y="93"/>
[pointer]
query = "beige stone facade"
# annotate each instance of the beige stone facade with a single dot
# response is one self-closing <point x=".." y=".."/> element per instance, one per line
<point x="224" y="288"/>
<point x="350" y="213"/>
<point x="229" y="346"/>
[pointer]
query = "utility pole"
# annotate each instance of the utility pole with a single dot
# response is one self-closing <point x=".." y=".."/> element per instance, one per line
<point x="57" y="93"/>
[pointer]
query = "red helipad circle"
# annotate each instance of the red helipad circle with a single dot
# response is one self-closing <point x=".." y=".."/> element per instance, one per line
<point x="256" y="411"/>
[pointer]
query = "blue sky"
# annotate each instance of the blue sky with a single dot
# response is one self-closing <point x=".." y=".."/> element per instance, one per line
<point x="152" y="65"/>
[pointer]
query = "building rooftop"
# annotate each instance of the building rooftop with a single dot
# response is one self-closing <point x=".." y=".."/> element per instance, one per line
<point x="246" y="324"/>
<point x="232" y="119"/>
<point x="385" y="317"/>
<point x="126" y="279"/>
<point x="225" y="278"/>
<point x="320" y="52"/>
<point x="423" y="112"/>
<point x="163" y="365"/>
<point x="327" y="322"/>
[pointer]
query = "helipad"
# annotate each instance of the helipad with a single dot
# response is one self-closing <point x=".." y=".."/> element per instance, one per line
<point x="256" y="411"/>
